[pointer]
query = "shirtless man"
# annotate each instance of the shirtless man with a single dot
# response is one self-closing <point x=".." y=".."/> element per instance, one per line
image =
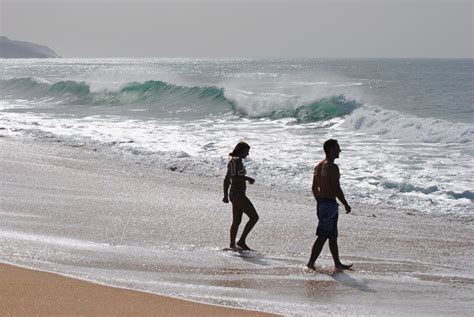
<point x="326" y="188"/>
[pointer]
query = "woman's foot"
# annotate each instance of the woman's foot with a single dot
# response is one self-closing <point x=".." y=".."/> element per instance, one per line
<point x="311" y="266"/>
<point x="243" y="246"/>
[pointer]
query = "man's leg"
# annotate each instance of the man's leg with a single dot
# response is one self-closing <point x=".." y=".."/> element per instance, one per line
<point x="317" y="247"/>
<point x="335" y="255"/>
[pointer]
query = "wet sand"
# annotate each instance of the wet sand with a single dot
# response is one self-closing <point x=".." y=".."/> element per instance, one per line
<point x="83" y="209"/>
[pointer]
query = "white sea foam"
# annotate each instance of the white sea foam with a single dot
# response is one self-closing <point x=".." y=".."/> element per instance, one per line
<point x="406" y="128"/>
<point x="188" y="114"/>
<point x="411" y="174"/>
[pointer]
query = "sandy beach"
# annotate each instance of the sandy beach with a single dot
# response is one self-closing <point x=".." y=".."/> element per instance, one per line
<point x="31" y="293"/>
<point x="73" y="211"/>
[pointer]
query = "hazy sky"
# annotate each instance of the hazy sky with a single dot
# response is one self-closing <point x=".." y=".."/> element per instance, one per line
<point x="244" y="28"/>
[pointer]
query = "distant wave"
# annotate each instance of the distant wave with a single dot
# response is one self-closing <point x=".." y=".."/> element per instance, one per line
<point x="156" y="97"/>
<point x="129" y="93"/>
<point x="159" y="96"/>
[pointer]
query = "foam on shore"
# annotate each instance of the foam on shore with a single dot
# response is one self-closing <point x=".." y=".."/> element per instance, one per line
<point x="126" y="225"/>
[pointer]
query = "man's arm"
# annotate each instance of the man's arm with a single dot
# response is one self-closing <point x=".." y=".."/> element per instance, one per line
<point x="316" y="180"/>
<point x="315" y="187"/>
<point x="335" y="176"/>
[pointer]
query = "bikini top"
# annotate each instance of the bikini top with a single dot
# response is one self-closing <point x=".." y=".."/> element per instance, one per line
<point x="237" y="167"/>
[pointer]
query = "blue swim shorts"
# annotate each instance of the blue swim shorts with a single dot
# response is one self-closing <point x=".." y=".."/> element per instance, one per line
<point x="327" y="211"/>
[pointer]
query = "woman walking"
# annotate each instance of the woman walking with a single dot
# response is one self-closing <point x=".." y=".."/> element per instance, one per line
<point x="236" y="179"/>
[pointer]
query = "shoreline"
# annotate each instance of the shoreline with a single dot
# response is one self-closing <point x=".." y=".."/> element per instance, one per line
<point x="105" y="299"/>
<point x="30" y="292"/>
<point x="128" y="226"/>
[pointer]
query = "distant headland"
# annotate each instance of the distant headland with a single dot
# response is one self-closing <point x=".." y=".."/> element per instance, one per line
<point x="19" y="49"/>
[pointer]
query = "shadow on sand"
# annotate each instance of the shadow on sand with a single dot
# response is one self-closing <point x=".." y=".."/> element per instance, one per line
<point x="347" y="280"/>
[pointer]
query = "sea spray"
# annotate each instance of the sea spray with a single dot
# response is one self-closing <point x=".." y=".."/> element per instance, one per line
<point x="406" y="133"/>
<point x="162" y="97"/>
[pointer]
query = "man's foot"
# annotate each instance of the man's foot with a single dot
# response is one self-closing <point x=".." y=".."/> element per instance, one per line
<point x="244" y="247"/>
<point x="234" y="247"/>
<point x="341" y="266"/>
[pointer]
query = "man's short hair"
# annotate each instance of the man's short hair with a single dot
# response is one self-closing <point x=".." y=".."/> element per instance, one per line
<point x="328" y="145"/>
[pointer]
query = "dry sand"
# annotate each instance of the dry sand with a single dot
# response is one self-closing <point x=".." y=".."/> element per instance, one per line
<point x="26" y="292"/>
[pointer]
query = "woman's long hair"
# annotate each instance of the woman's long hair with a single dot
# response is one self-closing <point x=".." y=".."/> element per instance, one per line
<point x="239" y="149"/>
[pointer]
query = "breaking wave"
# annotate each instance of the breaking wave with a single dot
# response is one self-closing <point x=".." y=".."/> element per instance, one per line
<point x="170" y="98"/>
<point x="407" y="128"/>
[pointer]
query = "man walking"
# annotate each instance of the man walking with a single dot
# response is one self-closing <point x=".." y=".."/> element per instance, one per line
<point x="326" y="188"/>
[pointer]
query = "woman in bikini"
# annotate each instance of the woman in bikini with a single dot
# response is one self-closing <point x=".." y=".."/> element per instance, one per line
<point x="235" y="179"/>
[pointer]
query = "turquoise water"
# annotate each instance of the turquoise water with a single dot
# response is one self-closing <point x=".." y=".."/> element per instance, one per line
<point x="405" y="126"/>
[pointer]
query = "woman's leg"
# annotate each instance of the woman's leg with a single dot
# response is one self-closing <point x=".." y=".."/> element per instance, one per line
<point x="249" y="210"/>
<point x="236" y="219"/>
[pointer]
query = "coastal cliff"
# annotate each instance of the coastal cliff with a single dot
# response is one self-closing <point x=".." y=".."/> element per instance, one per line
<point x="19" y="49"/>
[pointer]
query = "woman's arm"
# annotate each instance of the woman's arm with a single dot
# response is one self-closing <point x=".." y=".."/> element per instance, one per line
<point x="226" y="185"/>
<point x="249" y="179"/>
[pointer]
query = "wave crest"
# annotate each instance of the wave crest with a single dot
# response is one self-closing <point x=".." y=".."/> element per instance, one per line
<point x="407" y="128"/>
<point x="278" y="106"/>
<point x="69" y="87"/>
<point x="320" y="110"/>
<point x="156" y="89"/>
<point x="160" y="98"/>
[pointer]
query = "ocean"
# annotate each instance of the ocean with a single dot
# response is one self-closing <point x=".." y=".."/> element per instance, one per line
<point x="111" y="171"/>
<point x="405" y="126"/>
